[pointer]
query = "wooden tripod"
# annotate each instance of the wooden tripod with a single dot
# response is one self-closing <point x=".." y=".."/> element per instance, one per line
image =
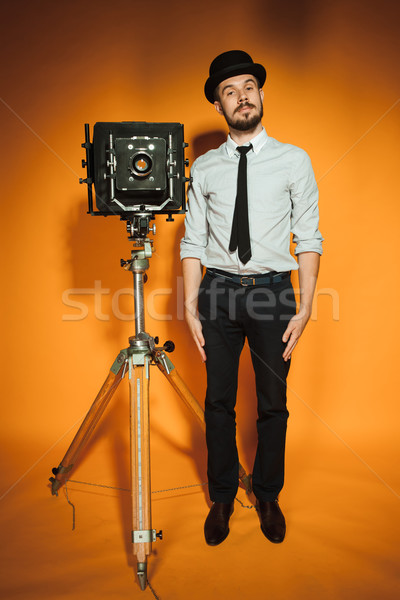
<point x="136" y="361"/>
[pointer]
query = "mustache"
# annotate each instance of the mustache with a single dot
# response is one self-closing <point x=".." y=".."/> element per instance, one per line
<point x="243" y="105"/>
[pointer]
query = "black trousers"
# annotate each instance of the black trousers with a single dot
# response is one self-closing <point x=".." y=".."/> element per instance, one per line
<point x="231" y="313"/>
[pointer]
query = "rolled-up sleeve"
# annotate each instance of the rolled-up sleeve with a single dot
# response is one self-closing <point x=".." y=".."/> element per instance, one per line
<point x="305" y="213"/>
<point x="196" y="227"/>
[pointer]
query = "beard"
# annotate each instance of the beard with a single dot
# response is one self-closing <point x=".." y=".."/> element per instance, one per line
<point x="244" y="122"/>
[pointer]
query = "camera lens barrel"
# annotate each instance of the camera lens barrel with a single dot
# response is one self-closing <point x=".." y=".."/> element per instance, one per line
<point x="141" y="164"/>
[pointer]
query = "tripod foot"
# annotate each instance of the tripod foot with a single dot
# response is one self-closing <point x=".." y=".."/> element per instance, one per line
<point x="55" y="485"/>
<point x="142" y="574"/>
<point x="246" y="481"/>
<point x="57" y="481"/>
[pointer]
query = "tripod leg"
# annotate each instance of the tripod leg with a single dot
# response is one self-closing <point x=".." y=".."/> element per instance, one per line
<point x="170" y="372"/>
<point x="142" y="534"/>
<point x="89" y="423"/>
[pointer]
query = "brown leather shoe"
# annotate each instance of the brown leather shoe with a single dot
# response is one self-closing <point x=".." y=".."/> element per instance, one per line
<point x="272" y="521"/>
<point x="216" y="527"/>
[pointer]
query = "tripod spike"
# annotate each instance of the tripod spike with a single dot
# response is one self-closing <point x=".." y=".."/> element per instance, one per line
<point x="142" y="574"/>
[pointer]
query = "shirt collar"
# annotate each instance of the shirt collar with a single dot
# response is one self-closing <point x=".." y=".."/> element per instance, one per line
<point x="257" y="142"/>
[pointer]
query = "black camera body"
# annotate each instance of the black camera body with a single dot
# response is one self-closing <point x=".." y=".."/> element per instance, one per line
<point x="136" y="166"/>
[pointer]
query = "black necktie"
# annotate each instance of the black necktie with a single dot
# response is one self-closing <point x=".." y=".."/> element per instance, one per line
<point x="240" y="236"/>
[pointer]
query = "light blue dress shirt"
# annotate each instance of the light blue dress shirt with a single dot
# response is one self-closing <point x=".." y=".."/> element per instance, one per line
<point x="282" y="198"/>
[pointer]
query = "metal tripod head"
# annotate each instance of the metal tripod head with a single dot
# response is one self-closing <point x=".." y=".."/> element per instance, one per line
<point x="138" y="228"/>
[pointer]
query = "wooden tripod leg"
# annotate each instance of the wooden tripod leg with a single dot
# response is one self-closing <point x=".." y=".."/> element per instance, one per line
<point x="89" y="423"/>
<point x="170" y="372"/>
<point x="142" y="534"/>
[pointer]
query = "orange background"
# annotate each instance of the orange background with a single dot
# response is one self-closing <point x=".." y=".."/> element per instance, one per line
<point x="333" y="89"/>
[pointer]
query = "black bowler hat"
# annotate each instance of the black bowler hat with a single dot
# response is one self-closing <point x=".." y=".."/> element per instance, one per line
<point x="228" y="64"/>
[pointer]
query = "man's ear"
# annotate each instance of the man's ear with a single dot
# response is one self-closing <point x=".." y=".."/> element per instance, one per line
<point x="218" y="107"/>
<point x="262" y="95"/>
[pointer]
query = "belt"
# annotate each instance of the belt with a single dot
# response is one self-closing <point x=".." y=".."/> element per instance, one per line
<point x="248" y="280"/>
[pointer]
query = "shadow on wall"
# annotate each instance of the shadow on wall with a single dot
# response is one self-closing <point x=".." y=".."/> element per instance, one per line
<point x="207" y="141"/>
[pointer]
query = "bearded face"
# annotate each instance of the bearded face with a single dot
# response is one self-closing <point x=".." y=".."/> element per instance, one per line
<point x="240" y="101"/>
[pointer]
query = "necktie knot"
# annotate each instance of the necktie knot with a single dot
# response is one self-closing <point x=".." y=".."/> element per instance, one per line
<point x="243" y="150"/>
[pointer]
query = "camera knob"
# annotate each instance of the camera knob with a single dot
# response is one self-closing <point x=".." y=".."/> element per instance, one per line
<point x="159" y="534"/>
<point x="169" y="346"/>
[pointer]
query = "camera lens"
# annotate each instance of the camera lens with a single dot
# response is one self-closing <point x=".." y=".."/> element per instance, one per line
<point x="142" y="164"/>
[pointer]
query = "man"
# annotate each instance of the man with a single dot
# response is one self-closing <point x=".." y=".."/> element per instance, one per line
<point x="245" y="199"/>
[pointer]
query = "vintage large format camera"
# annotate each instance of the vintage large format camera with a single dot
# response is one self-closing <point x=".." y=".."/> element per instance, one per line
<point x="135" y="167"/>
